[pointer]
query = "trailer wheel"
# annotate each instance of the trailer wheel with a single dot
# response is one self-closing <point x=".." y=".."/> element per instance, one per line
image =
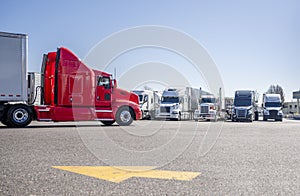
<point x="124" y="116"/>
<point x="4" y="122"/>
<point x="108" y="123"/>
<point x="19" y="116"/>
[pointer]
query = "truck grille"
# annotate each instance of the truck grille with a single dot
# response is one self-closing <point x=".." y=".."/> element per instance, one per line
<point x="165" y="109"/>
<point x="273" y="113"/>
<point x="241" y="113"/>
<point x="204" y="110"/>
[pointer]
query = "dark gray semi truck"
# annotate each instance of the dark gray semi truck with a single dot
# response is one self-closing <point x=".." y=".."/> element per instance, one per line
<point x="245" y="106"/>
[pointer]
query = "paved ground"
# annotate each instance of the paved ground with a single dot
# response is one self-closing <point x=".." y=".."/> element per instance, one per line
<point x="259" y="158"/>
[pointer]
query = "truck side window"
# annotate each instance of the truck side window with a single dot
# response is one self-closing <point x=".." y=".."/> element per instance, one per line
<point x="104" y="81"/>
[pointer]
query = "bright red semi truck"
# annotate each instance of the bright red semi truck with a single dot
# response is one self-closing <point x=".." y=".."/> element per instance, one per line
<point x="69" y="90"/>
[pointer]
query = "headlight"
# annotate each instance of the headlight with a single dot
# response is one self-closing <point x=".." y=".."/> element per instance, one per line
<point x="250" y="111"/>
<point x="280" y="113"/>
<point x="175" y="107"/>
<point x="266" y="112"/>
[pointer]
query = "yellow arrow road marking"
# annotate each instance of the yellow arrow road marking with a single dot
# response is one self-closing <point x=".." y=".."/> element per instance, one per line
<point x="120" y="173"/>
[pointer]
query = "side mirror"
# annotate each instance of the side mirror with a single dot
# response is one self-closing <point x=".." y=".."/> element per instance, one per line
<point x="181" y="100"/>
<point x="145" y="99"/>
<point x="115" y="85"/>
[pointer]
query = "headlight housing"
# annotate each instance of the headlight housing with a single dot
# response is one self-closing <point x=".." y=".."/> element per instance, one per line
<point x="175" y="107"/>
<point x="250" y="111"/>
<point x="266" y="112"/>
<point x="280" y="113"/>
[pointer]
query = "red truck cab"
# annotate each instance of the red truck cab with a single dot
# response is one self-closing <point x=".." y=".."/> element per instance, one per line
<point x="71" y="91"/>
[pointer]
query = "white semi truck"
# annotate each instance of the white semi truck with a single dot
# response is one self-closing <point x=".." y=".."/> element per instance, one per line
<point x="149" y="103"/>
<point x="207" y="109"/>
<point x="178" y="103"/>
<point x="272" y="107"/>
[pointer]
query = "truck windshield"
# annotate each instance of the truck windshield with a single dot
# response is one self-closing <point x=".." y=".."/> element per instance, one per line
<point x="208" y="100"/>
<point x="242" y="102"/>
<point x="272" y="104"/>
<point x="170" y="100"/>
<point x="141" y="98"/>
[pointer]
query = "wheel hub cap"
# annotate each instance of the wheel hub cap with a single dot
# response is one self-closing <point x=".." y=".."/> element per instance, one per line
<point x="20" y="115"/>
<point x="125" y="116"/>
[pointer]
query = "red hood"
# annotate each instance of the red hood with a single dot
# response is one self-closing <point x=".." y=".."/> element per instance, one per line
<point x="121" y="94"/>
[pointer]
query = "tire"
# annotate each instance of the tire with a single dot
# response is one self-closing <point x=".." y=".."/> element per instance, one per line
<point x="256" y="116"/>
<point x="179" y="117"/>
<point x="4" y="122"/>
<point x="19" y="116"/>
<point x="124" y="116"/>
<point x="108" y="123"/>
<point x="215" y="119"/>
<point x="264" y="118"/>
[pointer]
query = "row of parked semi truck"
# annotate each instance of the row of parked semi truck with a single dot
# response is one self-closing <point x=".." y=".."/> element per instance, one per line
<point x="191" y="103"/>
<point x="67" y="89"/>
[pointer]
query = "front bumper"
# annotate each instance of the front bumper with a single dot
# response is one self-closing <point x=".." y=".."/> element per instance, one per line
<point x="167" y="116"/>
<point x="275" y="117"/>
<point x="204" y="116"/>
<point x="138" y="113"/>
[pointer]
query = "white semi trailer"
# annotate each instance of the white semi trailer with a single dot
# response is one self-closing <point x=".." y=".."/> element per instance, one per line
<point x="13" y="67"/>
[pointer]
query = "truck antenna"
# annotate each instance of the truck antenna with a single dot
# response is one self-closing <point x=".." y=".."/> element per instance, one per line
<point x="115" y="73"/>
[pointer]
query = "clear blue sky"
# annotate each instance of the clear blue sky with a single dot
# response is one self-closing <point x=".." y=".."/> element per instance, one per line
<point x="254" y="43"/>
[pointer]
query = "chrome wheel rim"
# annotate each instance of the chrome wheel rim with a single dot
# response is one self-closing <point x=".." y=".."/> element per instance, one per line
<point x="125" y="116"/>
<point x="20" y="115"/>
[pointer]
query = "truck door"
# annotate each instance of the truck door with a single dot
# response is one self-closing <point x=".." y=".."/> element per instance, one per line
<point x="103" y="92"/>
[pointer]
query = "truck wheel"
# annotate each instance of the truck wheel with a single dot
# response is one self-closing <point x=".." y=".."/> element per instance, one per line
<point x="265" y="118"/>
<point x="256" y="116"/>
<point x="19" y="116"/>
<point x="4" y="122"/>
<point x="124" y="116"/>
<point x="215" y="119"/>
<point x="179" y="117"/>
<point x="108" y="123"/>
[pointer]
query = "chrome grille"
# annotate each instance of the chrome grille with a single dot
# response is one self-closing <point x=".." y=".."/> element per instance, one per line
<point x="204" y="109"/>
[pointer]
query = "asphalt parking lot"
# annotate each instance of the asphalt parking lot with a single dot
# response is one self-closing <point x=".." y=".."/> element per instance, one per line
<point x="172" y="158"/>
